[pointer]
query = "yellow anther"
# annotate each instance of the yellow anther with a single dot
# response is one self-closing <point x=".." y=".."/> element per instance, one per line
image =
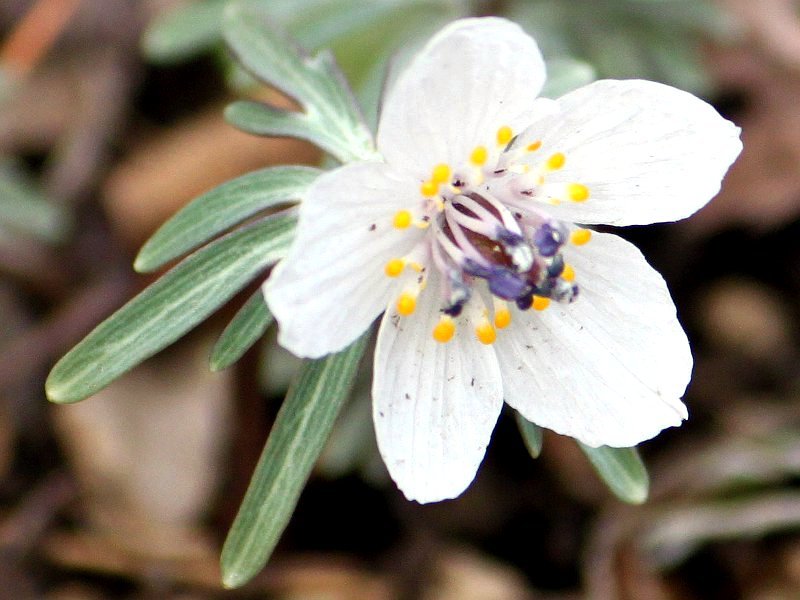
<point x="580" y="236"/>
<point x="406" y="304"/>
<point x="485" y="333"/>
<point x="502" y="318"/>
<point x="441" y="173"/>
<point x="533" y="147"/>
<point x="394" y="267"/>
<point x="540" y="302"/>
<point x="429" y="188"/>
<point x="556" y="161"/>
<point x="568" y="274"/>
<point x="416" y="266"/>
<point x="445" y="330"/>
<point x="504" y="135"/>
<point x="402" y="219"/>
<point x="578" y="192"/>
<point x="479" y="155"/>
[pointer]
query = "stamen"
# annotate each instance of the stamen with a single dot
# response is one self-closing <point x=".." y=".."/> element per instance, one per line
<point x="502" y="316"/>
<point x="471" y="223"/>
<point x="568" y="274"/>
<point x="578" y="192"/>
<point x="441" y="173"/>
<point x="508" y="219"/>
<point x="579" y="237"/>
<point x="402" y="219"/>
<point x="429" y="188"/>
<point x="445" y="330"/>
<point x="534" y="146"/>
<point x="540" y="302"/>
<point x="406" y="304"/>
<point x="463" y="248"/>
<point x="479" y="156"/>
<point x="394" y="267"/>
<point x="549" y="237"/>
<point x="485" y="333"/>
<point x="556" y="161"/>
<point x="504" y="135"/>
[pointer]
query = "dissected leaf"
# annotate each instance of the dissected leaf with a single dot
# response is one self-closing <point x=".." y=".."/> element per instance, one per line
<point x="295" y="442"/>
<point x="169" y="308"/>
<point x="622" y="470"/>
<point x="244" y="330"/>
<point x="219" y="209"/>
<point x="330" y="116"/>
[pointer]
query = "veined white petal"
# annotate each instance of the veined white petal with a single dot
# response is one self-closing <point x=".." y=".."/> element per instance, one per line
<point x="332" y="284"/>
<point x="647" y="152"/>
<point x="434" y="404"/>
<point x="608" y="369"/>
<point x="471" y="78"/>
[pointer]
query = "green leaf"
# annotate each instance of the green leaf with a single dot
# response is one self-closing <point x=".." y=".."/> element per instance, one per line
<point x="219" y="209"/>
<point x="244" y="330"/>
<point x="185" y="32"/>
<point x="297" y="438"/>
<point x="330" y="115"/>
<point x="169" y="308"/>
<point x="531" y="435"/>
<point x="25" y="210"/>
<point x="622" y="470"/>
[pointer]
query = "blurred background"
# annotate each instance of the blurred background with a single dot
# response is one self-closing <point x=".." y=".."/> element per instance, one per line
<point x="111" y="120"/>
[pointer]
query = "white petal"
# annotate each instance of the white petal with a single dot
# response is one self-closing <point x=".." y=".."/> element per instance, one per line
<point x="647" y="152"/>
<point x="434" y="405"/>
<point x="471" y="78"/>
<point x="332" y="285"/>
<point x="608" y="369"/>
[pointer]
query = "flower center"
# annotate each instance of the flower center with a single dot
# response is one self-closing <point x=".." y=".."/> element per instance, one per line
<point x="489" y="251"/>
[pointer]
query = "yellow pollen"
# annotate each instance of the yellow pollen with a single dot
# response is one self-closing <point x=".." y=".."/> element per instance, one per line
<point x="568" y="274"/>
<point x="394" y="267"/>
<point x="534" y="146"/>
<point x="556" y="161"/>
<point x="540" y="302"/>
<point x="402" y="219"/>
<point x="486" y="333"/>
<point x="502" y="318"/>
<point x="441" y="173"/>
<point x="479" y="155"/>
<point x="406" y="304"/>
<point x="578" y="192"/>
<point x="429" y="188"/>
<point x="416" y="266"/>
<point x="445" y="330"/>
<point x="504" y="135"/>
<point x="580" y="236"/>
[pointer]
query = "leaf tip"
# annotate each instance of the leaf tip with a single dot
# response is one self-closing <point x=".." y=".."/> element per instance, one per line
<point x="140" y="264"/>
<point x="637" y="494"/>
<point x="55" y="391"/>
<point x="215" y="364"/>
<point x="233" y="578"/>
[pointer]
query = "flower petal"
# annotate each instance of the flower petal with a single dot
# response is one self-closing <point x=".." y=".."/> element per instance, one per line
<point x="473" y="77"/>
<point x="647" y="152"/>
<point x="608" y="369"/>
<point x="332" y="284"/>
<point x="434" y="405"/>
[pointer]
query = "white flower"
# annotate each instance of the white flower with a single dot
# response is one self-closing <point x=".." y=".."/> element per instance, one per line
<point x="464" y="234"/>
